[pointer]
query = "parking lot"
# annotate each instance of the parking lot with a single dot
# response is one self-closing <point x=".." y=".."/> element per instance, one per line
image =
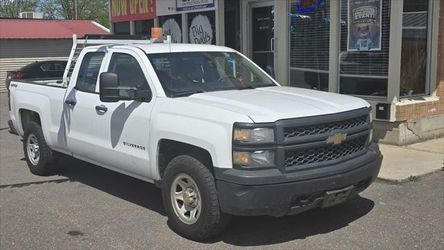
<point x="85" y="206"/>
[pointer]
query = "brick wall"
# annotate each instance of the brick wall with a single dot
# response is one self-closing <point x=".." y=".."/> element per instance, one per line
<point x="430" y="108"/>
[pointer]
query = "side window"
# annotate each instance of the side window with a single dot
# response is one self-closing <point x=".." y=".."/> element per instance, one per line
<point x="89" y="71"/>
<point x="129" y="71"/>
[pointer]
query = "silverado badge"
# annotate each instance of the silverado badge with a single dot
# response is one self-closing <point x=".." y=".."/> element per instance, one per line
<point x="336" y="138"/>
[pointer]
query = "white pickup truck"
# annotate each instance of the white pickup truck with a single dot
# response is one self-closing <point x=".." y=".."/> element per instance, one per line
<point x="217" y="134"/>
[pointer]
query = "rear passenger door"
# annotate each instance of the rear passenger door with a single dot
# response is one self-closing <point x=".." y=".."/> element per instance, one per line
<point x="124" y="126"/>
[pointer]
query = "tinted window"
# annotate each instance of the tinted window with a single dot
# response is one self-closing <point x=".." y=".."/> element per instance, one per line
<point x="129" y="71"/>
<point x="187" y="73"/>
<point x="53" y="66"/>
<point x="89" y="72"/>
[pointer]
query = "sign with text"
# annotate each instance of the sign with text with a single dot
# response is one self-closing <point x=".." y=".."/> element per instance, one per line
<point x="186" y="5"/>
<point x="126" y="10"/>
<point x="201" y="30"/>
<point x="364" y="25"/>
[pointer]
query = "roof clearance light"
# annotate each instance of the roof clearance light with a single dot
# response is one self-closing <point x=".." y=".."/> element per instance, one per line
<point x="156" y="34"/>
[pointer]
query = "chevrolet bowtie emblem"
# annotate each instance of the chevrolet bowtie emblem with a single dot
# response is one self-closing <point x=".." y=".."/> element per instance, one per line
<point x="336" y="138"/>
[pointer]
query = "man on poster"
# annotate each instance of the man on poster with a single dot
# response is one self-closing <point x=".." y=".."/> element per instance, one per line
<point x="364" y="25"/>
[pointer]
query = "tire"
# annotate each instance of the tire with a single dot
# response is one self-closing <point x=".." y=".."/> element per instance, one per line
<point x="209" y="220"/>
<point x="38" y="155"/>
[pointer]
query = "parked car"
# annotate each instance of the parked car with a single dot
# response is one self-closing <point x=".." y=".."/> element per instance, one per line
<point x="205" y="124"/>
<point x="38" y="70"/>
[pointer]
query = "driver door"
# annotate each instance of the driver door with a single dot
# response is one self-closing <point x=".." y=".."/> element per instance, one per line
<point x="124" y="126"/>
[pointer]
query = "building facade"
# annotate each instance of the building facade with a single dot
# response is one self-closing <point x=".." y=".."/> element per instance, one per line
<point x="389" y="52"/>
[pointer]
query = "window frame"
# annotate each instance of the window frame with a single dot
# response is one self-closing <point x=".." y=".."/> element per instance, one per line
<point x="137" y="57"/>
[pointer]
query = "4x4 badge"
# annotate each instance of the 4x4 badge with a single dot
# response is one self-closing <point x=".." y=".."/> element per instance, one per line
<point x="336" y="138"/>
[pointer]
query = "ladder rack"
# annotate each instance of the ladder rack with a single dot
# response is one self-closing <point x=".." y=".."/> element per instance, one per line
<point x="90" y="40"/>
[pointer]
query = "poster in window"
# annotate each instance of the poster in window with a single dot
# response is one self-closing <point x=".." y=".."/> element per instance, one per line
<point x="364" y="25"/>
<point x="202" y="28"/>
<point x="172" y="25"/>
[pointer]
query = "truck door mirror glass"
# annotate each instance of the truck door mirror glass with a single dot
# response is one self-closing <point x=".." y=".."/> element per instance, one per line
<point x="111" y="91"/>
<point x="109" y="87"/>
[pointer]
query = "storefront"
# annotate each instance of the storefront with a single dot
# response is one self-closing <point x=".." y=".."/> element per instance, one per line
<point x="389" y="52"/>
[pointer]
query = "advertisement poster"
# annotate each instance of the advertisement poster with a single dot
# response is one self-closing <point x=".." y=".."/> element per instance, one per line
<point x="364" y="25"/>
<point x="126" y="10"/>
<point x="171" y="27"/>
<point x="201" y="30"/>
<point x="186" y="5"/>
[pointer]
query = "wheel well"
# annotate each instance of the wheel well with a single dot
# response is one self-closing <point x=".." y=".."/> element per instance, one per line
<point x="168" y="149"/>
<point x="27" y="116"/>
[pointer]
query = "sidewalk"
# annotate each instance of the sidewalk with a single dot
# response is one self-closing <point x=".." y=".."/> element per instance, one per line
<point x="403" y="163"/>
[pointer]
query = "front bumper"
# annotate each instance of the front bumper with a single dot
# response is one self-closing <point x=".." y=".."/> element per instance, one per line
<point x="270" y="192"/>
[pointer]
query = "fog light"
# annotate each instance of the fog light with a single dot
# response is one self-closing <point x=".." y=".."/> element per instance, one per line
<point x="254" y="159"/>
<point x="241" y="158"/>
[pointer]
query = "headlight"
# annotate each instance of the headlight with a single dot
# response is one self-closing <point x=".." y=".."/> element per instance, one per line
<point x="254" y="159"/>
<point x="253" y="135"/>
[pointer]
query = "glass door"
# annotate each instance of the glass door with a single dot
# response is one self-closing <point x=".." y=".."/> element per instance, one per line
<point x="262" y="35"/>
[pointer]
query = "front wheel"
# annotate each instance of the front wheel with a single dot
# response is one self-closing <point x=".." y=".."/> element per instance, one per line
<point x="190" y="199"/>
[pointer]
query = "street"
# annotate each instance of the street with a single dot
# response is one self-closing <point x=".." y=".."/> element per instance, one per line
<point x="85" y="206"/>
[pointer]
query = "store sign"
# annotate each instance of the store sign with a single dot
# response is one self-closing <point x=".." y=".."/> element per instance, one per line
<point x="201" y="31"/>
<point x="128" y="10"/>
<point x="364" y="25"/>
<point x="187" y="5"/>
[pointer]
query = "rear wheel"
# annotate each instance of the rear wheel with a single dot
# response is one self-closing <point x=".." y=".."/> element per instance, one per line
<point x="190" y="199"/>
<point x="38" y="155"/>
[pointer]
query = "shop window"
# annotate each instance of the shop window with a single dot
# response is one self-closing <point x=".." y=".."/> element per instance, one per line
<point x="172" y="25"/>
<point x="364" y="47"/>
<point x="143" y="27"/>
<point x="232" y="24"/>
<point x="202" y="28"/>
<point x="414" y="48"/>
<point x="309" y="44"/>
<point x="122" y="28"/>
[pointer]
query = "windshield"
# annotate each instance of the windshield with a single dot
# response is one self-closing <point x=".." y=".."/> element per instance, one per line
<point x="187" y="73"/>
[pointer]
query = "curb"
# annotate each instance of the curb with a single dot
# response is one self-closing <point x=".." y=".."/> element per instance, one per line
<point x="400" y="181"/>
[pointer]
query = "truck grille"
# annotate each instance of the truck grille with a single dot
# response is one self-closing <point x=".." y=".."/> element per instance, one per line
<point x="325" y="128"/>
<point x="306" y="157"/>
<point x="305" y="143"/>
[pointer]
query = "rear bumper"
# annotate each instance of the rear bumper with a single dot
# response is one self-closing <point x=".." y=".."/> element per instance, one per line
<point x="251" y="193"/>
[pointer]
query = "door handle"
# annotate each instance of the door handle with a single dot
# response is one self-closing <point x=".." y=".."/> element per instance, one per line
<point x="101" y="108"/>
<point x="71" y="102"/>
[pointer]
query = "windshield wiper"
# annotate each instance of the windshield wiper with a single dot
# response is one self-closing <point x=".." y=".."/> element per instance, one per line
<point x="247" y="87"/>
<point x="187" y="93"/>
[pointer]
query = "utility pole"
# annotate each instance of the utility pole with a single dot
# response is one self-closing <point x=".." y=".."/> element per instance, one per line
<point x="74" y="9"/>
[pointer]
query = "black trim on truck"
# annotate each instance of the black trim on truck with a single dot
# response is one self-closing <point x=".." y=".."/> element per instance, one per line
<point x="271" y="192"/>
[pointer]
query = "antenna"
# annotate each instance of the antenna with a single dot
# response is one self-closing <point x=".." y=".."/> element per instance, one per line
<point x="168" y="40"/>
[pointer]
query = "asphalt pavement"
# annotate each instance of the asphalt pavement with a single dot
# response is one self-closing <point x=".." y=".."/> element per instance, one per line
<point x="88" y="207"/>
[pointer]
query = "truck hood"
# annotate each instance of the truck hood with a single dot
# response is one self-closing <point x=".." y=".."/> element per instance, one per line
<point x="275" y="103"/>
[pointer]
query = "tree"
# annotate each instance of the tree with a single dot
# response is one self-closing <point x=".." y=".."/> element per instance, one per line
<point x="12" y="8"/>
<point x="96" y="10"/>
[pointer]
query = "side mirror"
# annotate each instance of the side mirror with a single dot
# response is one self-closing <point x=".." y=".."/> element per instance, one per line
<point x="109" y="87"/>
<point x="110" y="91"/>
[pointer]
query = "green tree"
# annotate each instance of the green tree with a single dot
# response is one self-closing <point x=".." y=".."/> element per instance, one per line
<point x="96" y="10"/>
<point x="12" y="8"/>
